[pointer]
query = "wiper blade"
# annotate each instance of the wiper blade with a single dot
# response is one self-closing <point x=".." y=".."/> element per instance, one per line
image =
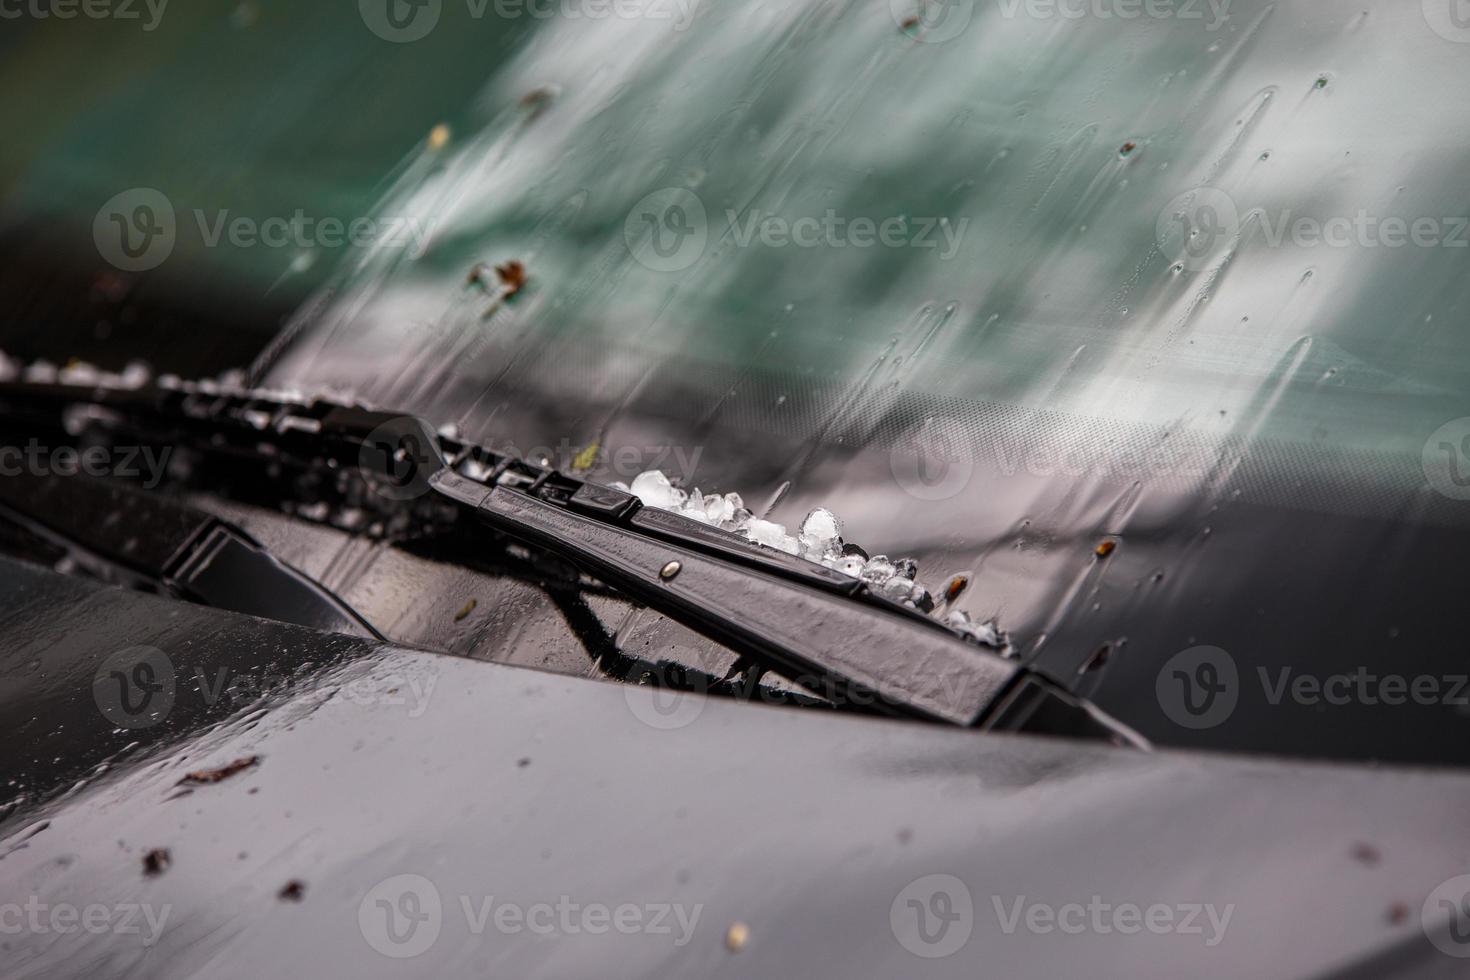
<point x="812" y="624"/>
<point x="844" y="650"/>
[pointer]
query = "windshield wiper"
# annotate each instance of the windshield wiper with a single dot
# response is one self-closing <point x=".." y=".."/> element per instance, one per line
<point x="814" y="625"/>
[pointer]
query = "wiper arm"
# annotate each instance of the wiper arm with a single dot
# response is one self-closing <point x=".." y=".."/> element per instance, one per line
<point x="814" y="625"/>
<point x="844" y="650"/>
<point x="849" y="651"/>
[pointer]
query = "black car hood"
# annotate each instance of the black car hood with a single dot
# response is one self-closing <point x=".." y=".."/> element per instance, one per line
<point x="499" y="785"/>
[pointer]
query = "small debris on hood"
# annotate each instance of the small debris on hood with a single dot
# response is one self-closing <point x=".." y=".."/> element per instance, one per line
<point x="1105" y="548"/>
<point x="439" y="136"/>
<point x="502" y="281"/>
<point x="737" y="936"/>
<point x="156" y="861"/>
<point x="586" y="458"/>
<point x="1127" y="148"/>
<point x="1098" y="660"/>
<point x="1398" y="913"/>
<point x="465" y="610"/>
<point x="956" y="587"/>
<point x="538" y="98"/>
<point x="1366" y="853"/>
<point x="512" y="276"/>
<point x="202" y="776"/>
<point x="293" y="891"/>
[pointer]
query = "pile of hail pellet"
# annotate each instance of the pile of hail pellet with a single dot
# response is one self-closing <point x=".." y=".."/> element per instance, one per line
<point x="819" y="539"/>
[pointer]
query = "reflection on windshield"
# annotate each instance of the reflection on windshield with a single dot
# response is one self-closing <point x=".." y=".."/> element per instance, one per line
<point x="1213" y="222"/>
<point x="995" y="282"/>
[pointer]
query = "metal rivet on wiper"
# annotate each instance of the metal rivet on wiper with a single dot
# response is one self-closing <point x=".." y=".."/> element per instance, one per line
<point x="669" y="570"/>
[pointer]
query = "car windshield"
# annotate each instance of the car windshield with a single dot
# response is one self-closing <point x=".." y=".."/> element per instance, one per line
<point x="1149" y="316"/>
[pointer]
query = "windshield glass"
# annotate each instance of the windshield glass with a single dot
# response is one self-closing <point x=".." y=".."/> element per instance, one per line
<point x="1148" y="315"/>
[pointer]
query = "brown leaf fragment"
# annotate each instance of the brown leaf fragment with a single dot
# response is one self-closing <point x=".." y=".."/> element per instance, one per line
<point x="200" y="777"/>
